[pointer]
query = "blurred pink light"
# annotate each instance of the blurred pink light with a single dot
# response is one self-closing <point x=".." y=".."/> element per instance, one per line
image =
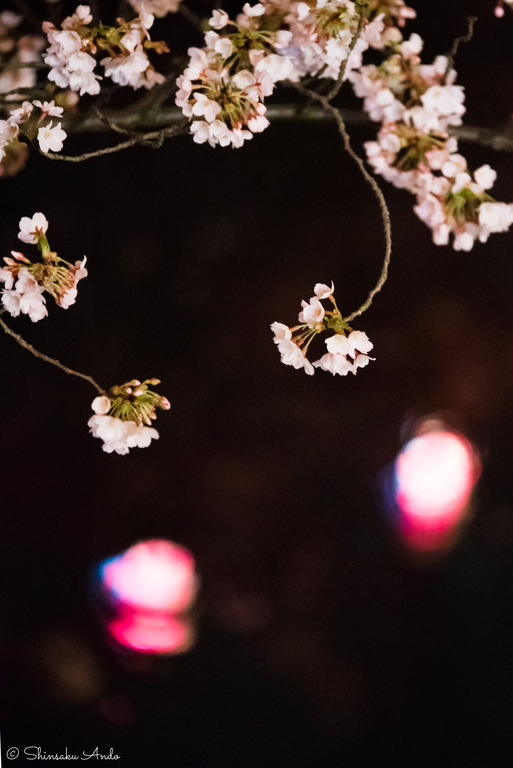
<point x="153" y="575"/>
<point x="434" y="476"/>
<point x="152" y="633"/>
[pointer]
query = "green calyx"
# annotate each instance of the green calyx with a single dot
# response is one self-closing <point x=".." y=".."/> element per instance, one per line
<point x="110" y="38"/>
<point x="463" y="206"/>
<point x="133" y="401"/>
<point x="244" y="41"/>
<point x="414" y="148"/>
<point x="337" y="323"/>
<point x="236" y="107"/>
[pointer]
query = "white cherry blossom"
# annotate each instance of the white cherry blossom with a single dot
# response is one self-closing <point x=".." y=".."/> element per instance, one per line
<point x="292" y="355"/>
<point x="323" y="291"/>
<point x="335" y="364"/>
<point x="49" y="108"/>
<point x="51" y="137"/>
<point x="219" y="19"/>
<point x="312" y="312"/>
<point x="359" y="342"/>
<point x="119" y="436"/>
<point x="26" y="297"/>
<point x="32" y="228"/>
<point x="281" y="332"/>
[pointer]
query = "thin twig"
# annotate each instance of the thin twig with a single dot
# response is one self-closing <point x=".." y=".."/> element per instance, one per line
<point x="466" y="38"/>
<point x="385" y="214"/>
<point x="138" y="137"/>
<point x="342" y="72"/>
<point x="153" y="139"/>
<point x="21" y="341"/>
<point x="113" y="126"/>
<point x="89" y="155"/>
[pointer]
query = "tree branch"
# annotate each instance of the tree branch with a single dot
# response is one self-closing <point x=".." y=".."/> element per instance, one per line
<point x="21" y="341"/>
<point x="153" y="139"/>
<point x="499" y="139"/>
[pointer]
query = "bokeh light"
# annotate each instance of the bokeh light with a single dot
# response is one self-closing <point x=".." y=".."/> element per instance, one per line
<point x="434" y="476"/>
<point x="153" y="575"/>
<point x="152" y="633"/>
<point x="147" y="594"/>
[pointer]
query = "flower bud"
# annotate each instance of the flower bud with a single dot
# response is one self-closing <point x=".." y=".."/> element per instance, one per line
<point x="101" y="405"/>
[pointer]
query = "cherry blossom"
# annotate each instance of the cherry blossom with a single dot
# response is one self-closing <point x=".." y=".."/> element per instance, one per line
<point x="26" y="296"/>
<point x="346" y="353"/>
<point x="25" y="281"/>
<point x="32" y="229"/>
<point x="51" y="137"/>
<point x="121" y="418"/>
<point x="8" y="133"/>
<point x="323" y="291"/>
<point x="119" y="436"/>
<point x="221" y="91"/>
<point x="312" y="312"/>
<point x="48" y="108"/>
<point x="72" y="48"/>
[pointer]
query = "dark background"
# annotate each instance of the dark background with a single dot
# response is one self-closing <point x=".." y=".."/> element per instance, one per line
<point x="322" y="640"/>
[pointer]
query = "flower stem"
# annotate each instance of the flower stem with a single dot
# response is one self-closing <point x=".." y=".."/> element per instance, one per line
<point x="385" y="213"/>
<point x="21" y="341"/>
<point x="340" y="79"/>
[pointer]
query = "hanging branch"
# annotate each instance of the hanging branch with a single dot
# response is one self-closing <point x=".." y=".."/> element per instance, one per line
<point x="385" y="214"/>
<point x="21" y="341"/>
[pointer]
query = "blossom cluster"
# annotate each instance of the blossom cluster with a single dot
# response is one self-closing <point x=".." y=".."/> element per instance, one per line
<point x="320" y="34"/>
<point x="222" y="90"/>
<point x="417" y="105"/>
<point x="122" y="418"/>
<point x="25" y="282"/>
<point x="347" y="349"/>
<point x="72" y="49"/>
